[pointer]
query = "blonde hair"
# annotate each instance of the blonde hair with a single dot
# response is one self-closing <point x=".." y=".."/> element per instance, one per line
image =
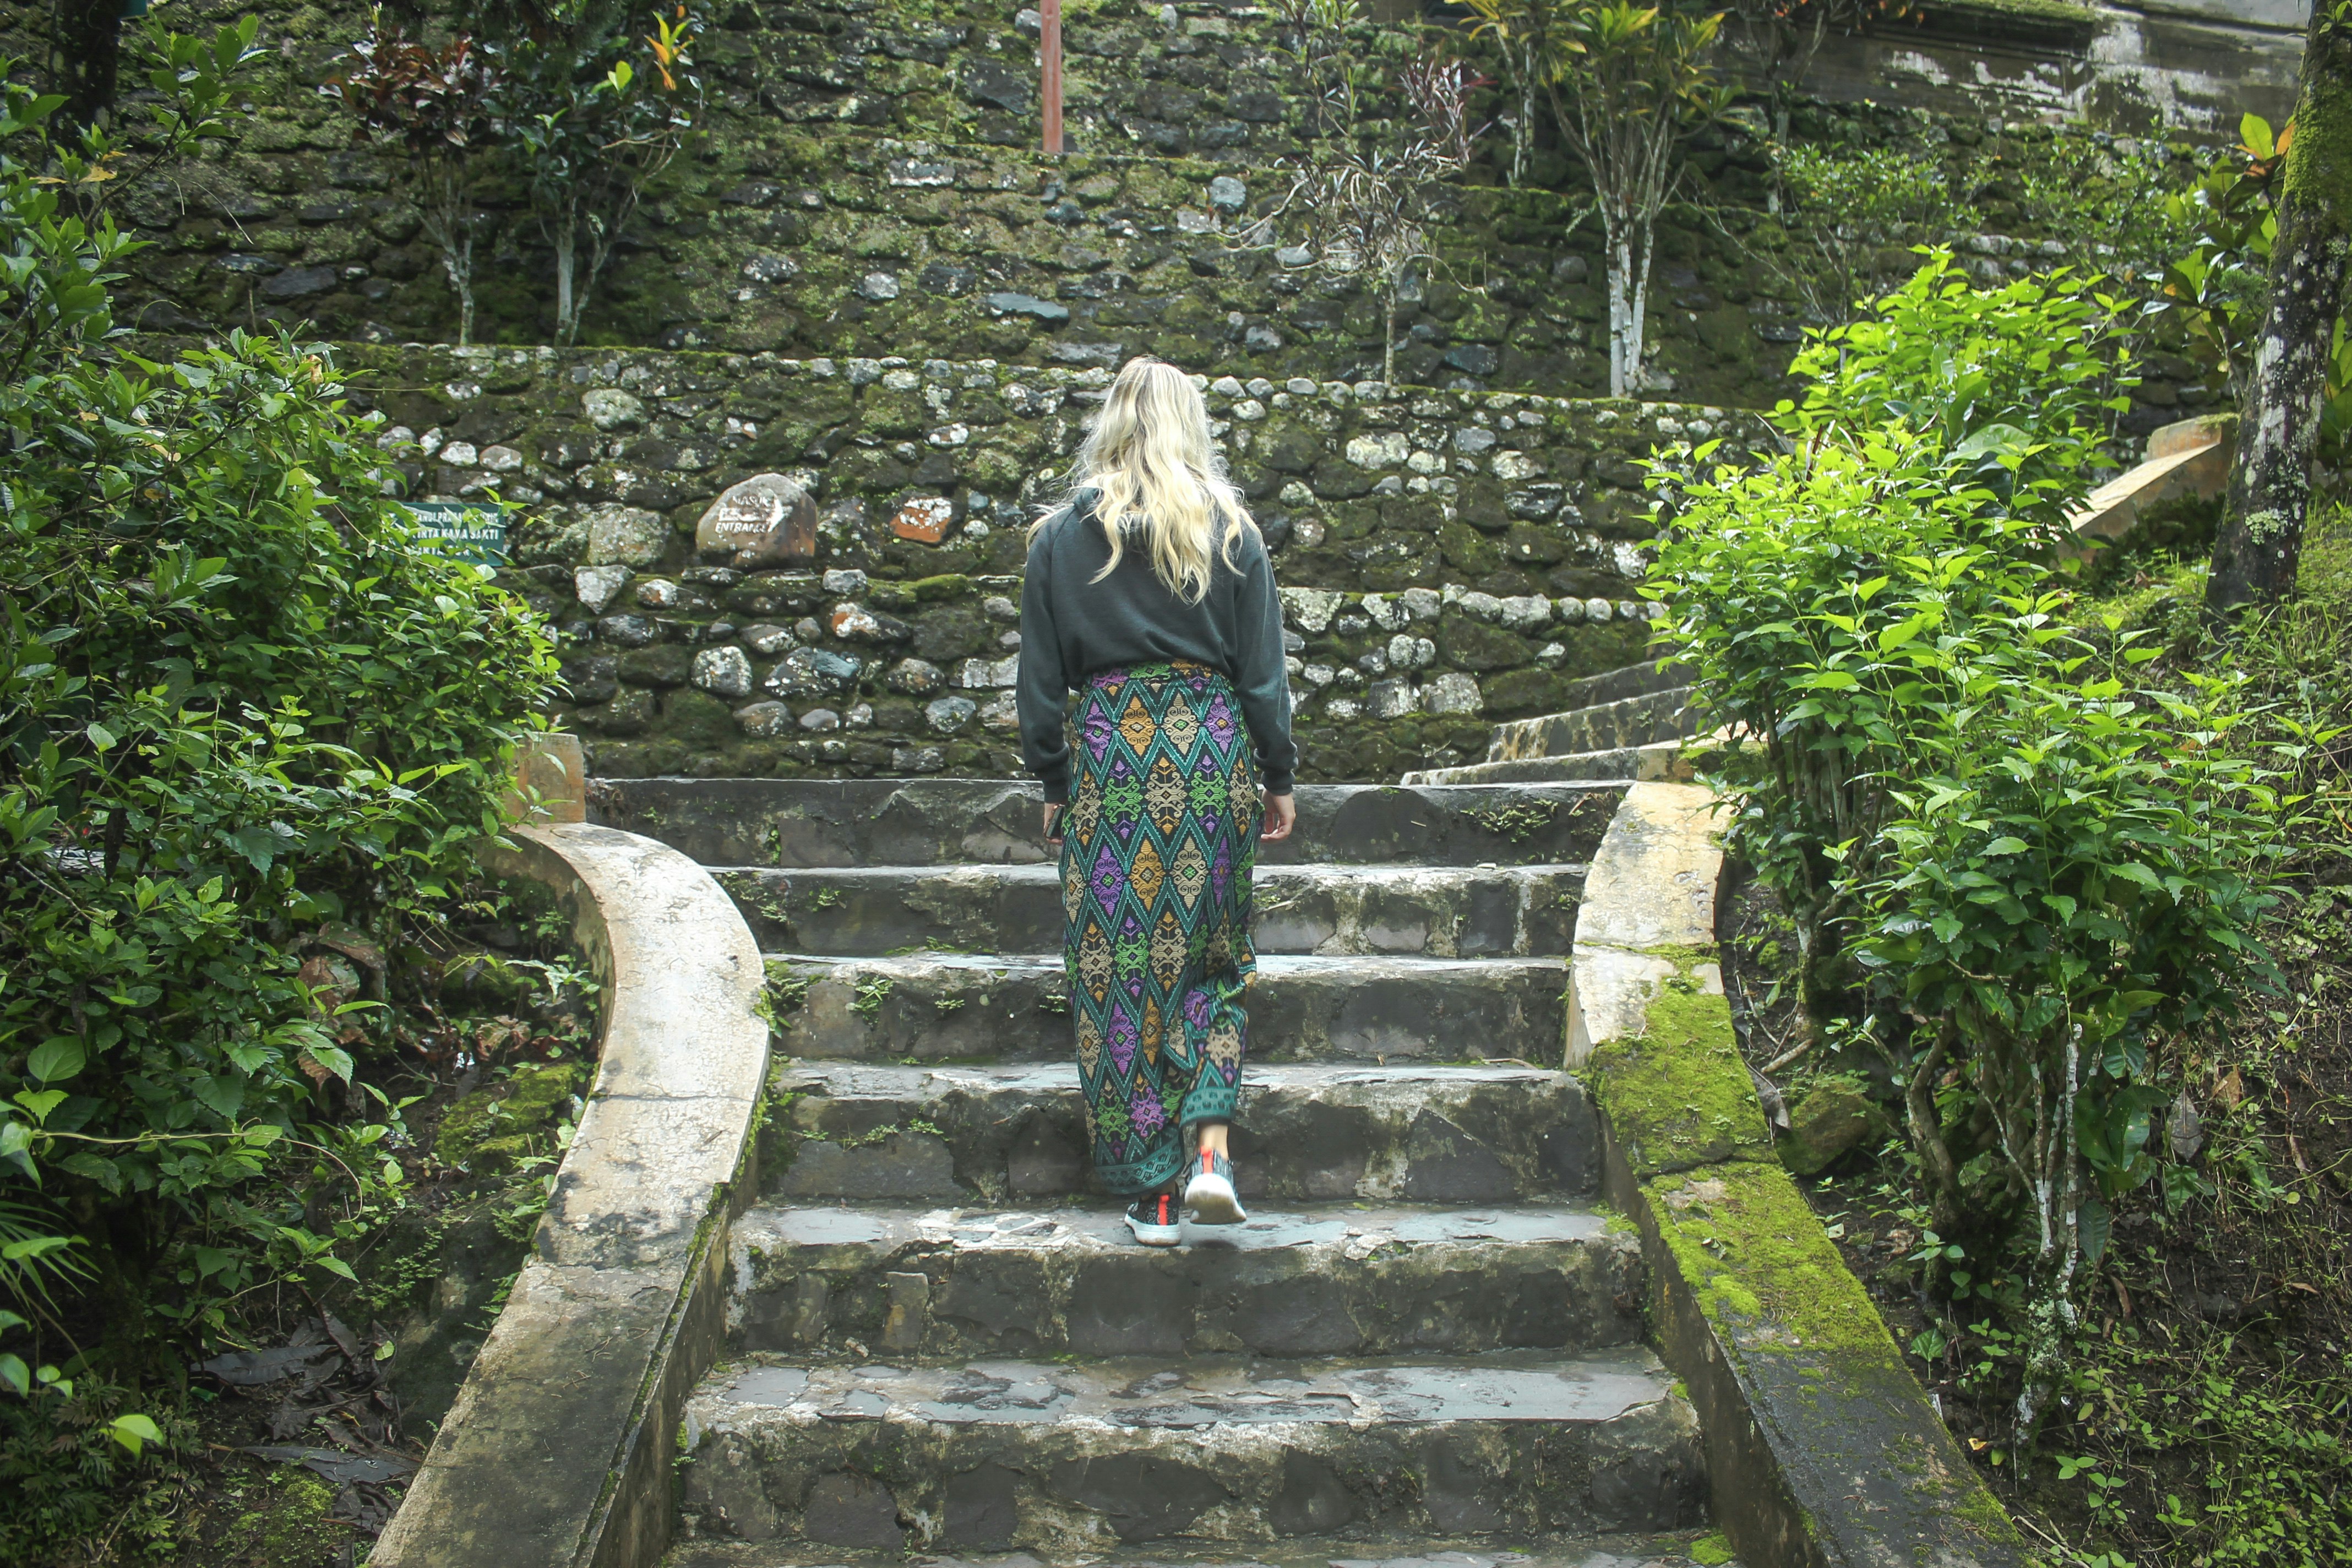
<point x="1156" y="472"/>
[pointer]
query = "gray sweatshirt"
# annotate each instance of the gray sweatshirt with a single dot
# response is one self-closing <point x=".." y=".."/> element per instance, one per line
<point x="1073" y="626"/>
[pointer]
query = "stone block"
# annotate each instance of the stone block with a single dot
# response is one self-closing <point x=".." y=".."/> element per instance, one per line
<point x="765" y="521"/>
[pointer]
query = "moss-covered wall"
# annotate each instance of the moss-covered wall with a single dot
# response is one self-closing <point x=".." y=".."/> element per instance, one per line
<point x="865" y="184"/>
<point x="1496" y="534"/>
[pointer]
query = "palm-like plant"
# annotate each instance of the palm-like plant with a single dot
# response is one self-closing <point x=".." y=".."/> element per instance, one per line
<point x="1625" y="83"/>
<point x="1366" y="193"/>
<point x="435" y="107"/>
<point x="601" y="99"/>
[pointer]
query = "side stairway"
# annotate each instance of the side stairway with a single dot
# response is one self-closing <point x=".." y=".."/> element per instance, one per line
<point x="1426" y="1342"/>
<point x="1627" y="724"/>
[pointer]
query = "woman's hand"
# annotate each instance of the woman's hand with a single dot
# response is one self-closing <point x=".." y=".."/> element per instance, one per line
<point x="1281" y="813"/>
<point x="1054" y="822"/>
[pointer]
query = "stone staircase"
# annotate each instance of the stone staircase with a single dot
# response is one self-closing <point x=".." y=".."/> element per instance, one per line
<point x="1426" y="1345"/>
<point x="1627" y="724"/>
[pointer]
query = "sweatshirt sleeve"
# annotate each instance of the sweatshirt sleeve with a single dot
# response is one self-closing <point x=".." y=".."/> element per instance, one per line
<point x="1043" y="682"/>
<point x="1260" y="675"/>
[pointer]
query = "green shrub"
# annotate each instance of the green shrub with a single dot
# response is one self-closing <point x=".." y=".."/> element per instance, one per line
<point x="240" y="700"/>
<point x="2072" y="863"/>
<point x="2007" y="866"/>
<point x="1819" y="597"/>
<point x="2014" y="387"/>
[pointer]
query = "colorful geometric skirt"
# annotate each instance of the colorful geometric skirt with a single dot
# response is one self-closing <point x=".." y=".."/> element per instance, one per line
<point x="1157" y="850"/>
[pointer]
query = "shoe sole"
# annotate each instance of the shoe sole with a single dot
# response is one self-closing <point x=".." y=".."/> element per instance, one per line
<point x="1211" y="1200"/>
<point x="1158" y="1235"/>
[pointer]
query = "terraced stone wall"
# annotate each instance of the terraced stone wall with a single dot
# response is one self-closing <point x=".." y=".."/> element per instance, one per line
<point x="1448" y="558"/>
<point x="865" y="184"/>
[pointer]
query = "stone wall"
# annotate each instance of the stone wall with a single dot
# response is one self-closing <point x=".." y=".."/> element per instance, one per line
<point x="864" y="186"/>
<point x="1448" y="558"/>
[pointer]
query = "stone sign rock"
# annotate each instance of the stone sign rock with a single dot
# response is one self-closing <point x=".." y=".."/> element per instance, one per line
<point x="767" y="520"/>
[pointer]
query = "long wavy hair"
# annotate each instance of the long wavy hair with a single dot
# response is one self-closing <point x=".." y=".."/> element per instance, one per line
<point x="1157" y="475"/>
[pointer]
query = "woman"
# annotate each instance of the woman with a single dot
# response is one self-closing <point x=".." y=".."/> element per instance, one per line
<point x="1150" y="595"/>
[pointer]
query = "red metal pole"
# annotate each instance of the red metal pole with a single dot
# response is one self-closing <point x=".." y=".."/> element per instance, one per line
<point x="1049" y="54"/>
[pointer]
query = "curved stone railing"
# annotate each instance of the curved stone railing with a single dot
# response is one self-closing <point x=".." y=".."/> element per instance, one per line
<point x="558" y="1448"/>
<point x="1821" y="1448"/>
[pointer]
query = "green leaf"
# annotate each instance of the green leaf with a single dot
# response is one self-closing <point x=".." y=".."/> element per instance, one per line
<point x="2006" y="845"/>
<point x="334" y="1265"/>
<point x="335" y="1059"/>
<point x="2254" y="134"/>
<point x="135" y="1431"/>
<point x="16" y="1140"/>
<point x="56" y="1059"/>
<point x="13" y="1375"/>
<point x="223" y="1093"/>
<point x="39" y="1105"/>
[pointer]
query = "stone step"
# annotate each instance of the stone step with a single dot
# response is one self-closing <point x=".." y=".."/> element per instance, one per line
<point x="1650" y="1549"/>
<point x="1661" y="761"/>
<point x="1630" y="681"/>
<point x="995" y="1454"/>
<point x="1331" y="910"/>
<point x="927" y="822"/>
<point x="1325" y="1280"/>
<point x="1629" y="721"/>
<point x="960" y="1006"/>
<point x="958" y="1135"/>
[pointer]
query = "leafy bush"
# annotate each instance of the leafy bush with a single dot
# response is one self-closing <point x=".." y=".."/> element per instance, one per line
<point x="2014" y="387"/>
<point x="240" y="702"/>
<point x="2214" y="283"/>
<point x="2073" y="863"/>
<point x="1820" y="597"/>
<point x="2005" y="867"/>
<point x="65" y="1446"/>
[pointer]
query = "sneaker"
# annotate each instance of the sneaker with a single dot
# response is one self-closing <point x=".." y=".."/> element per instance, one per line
<point x="1209" y="1197"/>
<point x="1154" y="1220"/>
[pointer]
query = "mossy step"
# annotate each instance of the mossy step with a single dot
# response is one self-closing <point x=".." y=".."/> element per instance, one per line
<point x="1202" y="1449"/>
<point x="1328" y="910"/>
<point x="959" y="1135"/>
<point x="1628" y="721"/>
<point x="1660" y="761"/>
<point x="1685" y="1548"/>
<point x="951" y="1007"/>
<point x="933" y="821"/>
<point x="1331" y="1279"/>
<point x="1630" y="680"/>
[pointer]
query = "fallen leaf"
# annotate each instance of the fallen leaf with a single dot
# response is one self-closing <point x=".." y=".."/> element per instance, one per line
<point x="338" y="1467"/>
<point x="252" y="1369"/>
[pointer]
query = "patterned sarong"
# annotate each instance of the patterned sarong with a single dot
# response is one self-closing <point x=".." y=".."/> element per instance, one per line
<point x="1157" y="851"/>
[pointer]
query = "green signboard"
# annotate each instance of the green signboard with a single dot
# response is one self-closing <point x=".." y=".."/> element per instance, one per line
<point x="468" y="529"/>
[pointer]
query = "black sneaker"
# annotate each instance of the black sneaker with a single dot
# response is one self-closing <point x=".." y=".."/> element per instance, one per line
<point x="1154" y="1220"/>
<point x="1209" y="1197"/>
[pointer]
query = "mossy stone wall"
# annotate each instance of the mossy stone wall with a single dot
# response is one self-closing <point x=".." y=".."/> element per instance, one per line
<point x="865" y="183"/>
<point x="1448" y="558"/>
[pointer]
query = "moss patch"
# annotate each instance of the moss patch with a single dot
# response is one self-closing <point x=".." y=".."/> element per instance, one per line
<point x="1754" y="1256"/>
<point x="501" y="1122"/>
<point x="1677" y="1095"/>
<point x="277" y="1520"/>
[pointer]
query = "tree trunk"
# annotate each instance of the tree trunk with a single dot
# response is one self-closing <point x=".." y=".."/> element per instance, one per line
<point x="1621" y="328"/>
<point x="1387" y="335"/>
<point x="567" y="308"/>
<point x="86" y="53"/>
<point x="2261" y="541"/>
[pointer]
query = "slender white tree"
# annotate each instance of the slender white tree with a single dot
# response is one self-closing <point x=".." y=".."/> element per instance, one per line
<point x="1626" y="84"/>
